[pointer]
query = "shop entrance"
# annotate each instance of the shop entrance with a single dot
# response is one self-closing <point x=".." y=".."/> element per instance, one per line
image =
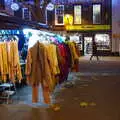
<point x="87" y="45"/>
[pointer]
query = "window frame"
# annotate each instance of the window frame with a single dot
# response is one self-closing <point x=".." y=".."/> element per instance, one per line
<point x="100" y="13"/>
<point x="23" y="16"/>
<point x="56" y="16"/>
<point x="74" y="14"/>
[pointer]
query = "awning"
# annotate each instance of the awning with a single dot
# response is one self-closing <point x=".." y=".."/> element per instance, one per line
<point x="10" y="22"/>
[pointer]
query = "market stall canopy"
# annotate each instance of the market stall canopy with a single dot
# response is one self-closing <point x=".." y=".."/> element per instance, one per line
<point x="12" y="22"/>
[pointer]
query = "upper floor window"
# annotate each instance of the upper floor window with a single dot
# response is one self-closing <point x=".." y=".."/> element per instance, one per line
<point x="96" y="14"/>
<point x="26" y="14"/>
<point x="2" y="4"/>
<point x="59" y="15"/>
<point x="77" y="14"/>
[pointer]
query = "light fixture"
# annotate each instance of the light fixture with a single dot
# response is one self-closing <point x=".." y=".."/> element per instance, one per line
<point x="14" y="6"/>
<point x="50" y="7"/>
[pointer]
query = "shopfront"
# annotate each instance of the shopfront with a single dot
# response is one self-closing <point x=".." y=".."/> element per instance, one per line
<point x="84" y="35"/>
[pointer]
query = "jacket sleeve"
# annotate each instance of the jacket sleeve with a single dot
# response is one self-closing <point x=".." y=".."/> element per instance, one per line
<point x="1" y="60"/>
<point x="19" y="73"/>
<point x="28" y="66"/>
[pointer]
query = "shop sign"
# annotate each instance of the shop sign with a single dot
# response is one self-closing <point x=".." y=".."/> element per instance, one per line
<point x="87" y="27"/>
<point x="7" y="32"/>
<point x="68" y="19"/>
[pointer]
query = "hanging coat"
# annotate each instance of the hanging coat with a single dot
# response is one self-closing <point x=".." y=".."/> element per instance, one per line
<point x="37" y="66"/>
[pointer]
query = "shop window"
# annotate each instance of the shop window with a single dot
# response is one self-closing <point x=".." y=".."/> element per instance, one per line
<point x="77" y="39"/>
<point x="59" y="15"/>
<point x="103" y="41"/>
<point x="96" y="14"/>
<point x="26" y="14"/>
<point x="77" y="14"/>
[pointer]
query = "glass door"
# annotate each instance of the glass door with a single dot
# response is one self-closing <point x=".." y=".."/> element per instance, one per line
<point x="87" y="45"/>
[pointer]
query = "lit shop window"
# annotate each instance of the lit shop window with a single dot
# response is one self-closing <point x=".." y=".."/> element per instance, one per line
<point x="96" y="14"/>
<point x="103" y="41"/>
<point x="26" y="14"/>
<point x="59" y="15"/>
<point x="77" y="14"/>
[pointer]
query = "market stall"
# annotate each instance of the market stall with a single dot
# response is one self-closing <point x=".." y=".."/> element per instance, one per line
<point x="46" y="59"/>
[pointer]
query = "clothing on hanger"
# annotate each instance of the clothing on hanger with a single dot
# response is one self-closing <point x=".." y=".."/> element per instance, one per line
<point x="49" y="61"/>
<point x="9" y="61"/>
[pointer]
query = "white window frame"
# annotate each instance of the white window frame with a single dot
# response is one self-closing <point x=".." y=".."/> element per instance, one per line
<point x="76" y="14"/>
<point x="23" y="16"/>
<point x="56" y="16"/>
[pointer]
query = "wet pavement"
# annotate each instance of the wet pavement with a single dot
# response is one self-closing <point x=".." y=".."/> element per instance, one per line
<point x="93" y="95"/>
<point x="105" y="65"/>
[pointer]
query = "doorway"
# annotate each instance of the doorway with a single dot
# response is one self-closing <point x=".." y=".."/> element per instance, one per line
<point x="87" y="45"/>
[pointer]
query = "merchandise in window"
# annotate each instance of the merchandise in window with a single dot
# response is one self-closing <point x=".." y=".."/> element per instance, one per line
<point x="103" y="41"/>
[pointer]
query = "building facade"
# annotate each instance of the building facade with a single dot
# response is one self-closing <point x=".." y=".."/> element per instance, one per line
<point x="85" y="20"/>
<point x="5" y="7"/>
<point x="33" y="10"/>
<point x="116" y="27"/>
<point x="81" y="20"/>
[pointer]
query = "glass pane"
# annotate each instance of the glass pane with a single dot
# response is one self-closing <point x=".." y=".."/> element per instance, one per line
<point x="59" y="13"/>
<point x="60" y="19"/>
<point x="96" y="14"/>
<point x="103" y="41"/>
<point x="77" y="14"/>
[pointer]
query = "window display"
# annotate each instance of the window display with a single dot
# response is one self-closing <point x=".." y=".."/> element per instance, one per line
<point x="103" y="41"/>
<point x="87" y="45"/>
<point x="77" y="39"/>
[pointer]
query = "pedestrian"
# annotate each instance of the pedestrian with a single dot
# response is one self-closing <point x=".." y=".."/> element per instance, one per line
<point x="87" y="48"/>
<point x="94" y="51"/>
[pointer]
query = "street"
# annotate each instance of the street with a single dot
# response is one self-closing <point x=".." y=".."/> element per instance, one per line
<point x="94" y="95"/>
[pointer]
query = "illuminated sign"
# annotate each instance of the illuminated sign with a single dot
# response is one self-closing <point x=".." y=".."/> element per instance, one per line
<point x="87" y="27"/>
<point x="68" y="19"/>
<point x="14" y="6"/>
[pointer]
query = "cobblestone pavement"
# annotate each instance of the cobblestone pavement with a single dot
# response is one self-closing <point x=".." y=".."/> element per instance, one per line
<point x="93" y="95"/>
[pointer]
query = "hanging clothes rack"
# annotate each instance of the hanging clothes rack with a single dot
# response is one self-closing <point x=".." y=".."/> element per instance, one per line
<point x="9" y="63"/>
<point x="55" y="66"/>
